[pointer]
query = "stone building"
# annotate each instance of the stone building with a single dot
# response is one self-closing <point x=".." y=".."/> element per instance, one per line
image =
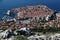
<point x="58" y="19"/>
<point x="33" y="11"/>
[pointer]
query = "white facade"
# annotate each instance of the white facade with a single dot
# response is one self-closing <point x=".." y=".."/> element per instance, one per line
<point x="8" y="12"/>
<point x="36" y="37"/>
<point x="54" y="37"/>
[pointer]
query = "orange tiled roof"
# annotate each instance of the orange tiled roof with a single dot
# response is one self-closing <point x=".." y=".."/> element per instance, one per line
<point x="31" y="11"/>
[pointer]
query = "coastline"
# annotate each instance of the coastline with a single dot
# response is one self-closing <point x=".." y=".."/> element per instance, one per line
<point x="30" y="21"/>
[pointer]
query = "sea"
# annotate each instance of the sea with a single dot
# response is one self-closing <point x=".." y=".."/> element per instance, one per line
<point x="6" y="5"/>
<point x="11" y="4"/>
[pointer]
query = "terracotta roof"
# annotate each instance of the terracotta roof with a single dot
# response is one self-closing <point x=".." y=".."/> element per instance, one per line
<point x="39" y="11"/>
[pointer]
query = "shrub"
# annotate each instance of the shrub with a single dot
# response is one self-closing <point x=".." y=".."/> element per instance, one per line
<point x="20" y="38"/>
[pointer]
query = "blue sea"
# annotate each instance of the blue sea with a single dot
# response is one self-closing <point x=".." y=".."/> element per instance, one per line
<point x="6" y="5"/>
<point x="10" y="4"/>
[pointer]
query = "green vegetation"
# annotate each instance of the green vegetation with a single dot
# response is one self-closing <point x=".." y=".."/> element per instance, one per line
<point x="47" y="30"/>
<point x="19" y="37"/>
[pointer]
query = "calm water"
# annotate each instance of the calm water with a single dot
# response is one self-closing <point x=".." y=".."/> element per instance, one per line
<point x="10" y="4"/>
